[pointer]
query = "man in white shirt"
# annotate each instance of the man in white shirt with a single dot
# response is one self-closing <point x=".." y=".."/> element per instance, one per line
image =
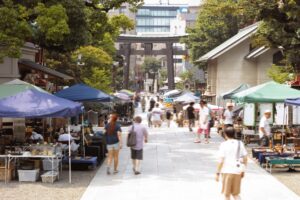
<point x="203" y="122"/>
<point x="156" y="116"/>
<point x="36" y="136"/>
<point x="233" y="160"/>
<point x="228" y="116"/>
<point x="265" y="129"/>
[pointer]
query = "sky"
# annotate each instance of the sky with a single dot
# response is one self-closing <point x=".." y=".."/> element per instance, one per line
<point x="190" y="2"/>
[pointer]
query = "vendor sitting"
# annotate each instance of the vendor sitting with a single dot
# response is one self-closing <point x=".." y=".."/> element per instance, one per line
<point x="36" y="136"/>
<point x="64" y="138"/>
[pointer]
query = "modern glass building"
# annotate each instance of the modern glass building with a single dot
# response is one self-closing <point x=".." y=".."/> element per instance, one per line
<point x="157" y="18"/>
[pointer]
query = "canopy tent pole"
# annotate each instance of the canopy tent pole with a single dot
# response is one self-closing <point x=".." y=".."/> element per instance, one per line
<point x="70" y="168"/>
<point x="83" y="137"/>
<point x="283" y="125"/>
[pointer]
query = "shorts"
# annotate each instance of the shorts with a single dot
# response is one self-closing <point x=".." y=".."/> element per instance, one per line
<point x="231" y="184"/>
<point x="136" y="154"/>
<point x="156" y="122"/>
<point x="200" y="131"/>
<point x="115" y="146"/>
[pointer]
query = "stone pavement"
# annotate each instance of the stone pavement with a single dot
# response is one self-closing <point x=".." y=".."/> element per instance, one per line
<point x="177" y="169"/>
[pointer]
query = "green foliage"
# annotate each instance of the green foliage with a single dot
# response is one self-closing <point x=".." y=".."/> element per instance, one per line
<point x="14" y="29"/>
<point x="100" y="79"/>
<point x="186" y="76"/>
<point x="281" y="74"/>
<point x="52" y="22"/>
<point x="91" y="57"/>
<point x="151" y="65"/>
<point x="280" y="27"/>
<point x="217" y="21"/>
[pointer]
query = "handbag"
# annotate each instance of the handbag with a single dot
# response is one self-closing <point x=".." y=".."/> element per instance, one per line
<point x="131" y="139"/>
<point x="239" y="162"/>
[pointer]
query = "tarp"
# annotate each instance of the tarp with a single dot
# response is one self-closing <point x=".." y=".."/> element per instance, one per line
<point x="269" y="92"/>
<point x="122" y="96"/>
<point x="295" y="102"/>
<point x="25" y="101"/>
<point x="81" y="92"/>
<point x="210" y="106"/>
<point x="128" y="92"/>
<point x="187" y="98"/>
<point x="228" y="95"/>
<point x="172" y="93"/>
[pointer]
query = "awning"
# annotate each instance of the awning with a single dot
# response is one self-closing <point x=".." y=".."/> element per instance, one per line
<point x="81" y="92"/>
<point x="32" y="65"/>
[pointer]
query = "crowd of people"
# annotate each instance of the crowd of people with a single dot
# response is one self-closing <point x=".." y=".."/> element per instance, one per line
<point x="232" y="153"/>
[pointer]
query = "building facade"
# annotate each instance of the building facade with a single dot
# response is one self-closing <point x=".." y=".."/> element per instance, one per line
<point x="235" y="62"/>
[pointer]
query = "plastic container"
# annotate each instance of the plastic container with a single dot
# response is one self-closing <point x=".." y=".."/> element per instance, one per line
<point x="49" y="177"/>
<point x="47" y="165"/>
<point x="28" y="175"/>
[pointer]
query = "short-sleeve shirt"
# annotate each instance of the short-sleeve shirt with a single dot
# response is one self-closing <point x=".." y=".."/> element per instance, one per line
<point x="156" y="114"/>
<point x="228" y="152"/>
<point x="264" y="123"/>
<point x="190" y="112"/>
<point x="141" y="133"/>
<point x="112" y="138"/>
<point x="228" y="117"/>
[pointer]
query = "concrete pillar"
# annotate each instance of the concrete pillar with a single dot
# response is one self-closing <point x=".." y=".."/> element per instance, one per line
<point x="127" y="50"/>
<point x="170" y="66"/>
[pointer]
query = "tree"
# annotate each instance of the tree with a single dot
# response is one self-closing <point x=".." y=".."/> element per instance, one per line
<point x="151" y="66"/>
<point x="280" y="27"/>
<point x="217" y="21"/>
<point x="100" y="79"/>
<point x="281" y="74"/>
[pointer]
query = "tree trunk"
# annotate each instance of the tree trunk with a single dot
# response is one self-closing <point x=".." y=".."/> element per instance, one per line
<point x="153" y="82"/>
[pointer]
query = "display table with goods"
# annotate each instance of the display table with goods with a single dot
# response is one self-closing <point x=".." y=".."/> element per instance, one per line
<point x="33" y="155"/>
<point x="291" y="162"/>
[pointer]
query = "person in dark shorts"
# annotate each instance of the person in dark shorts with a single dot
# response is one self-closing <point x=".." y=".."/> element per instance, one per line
<point x="191" y="116"/>
<point x="168" y="117"/>
<point x="137" y="150"/>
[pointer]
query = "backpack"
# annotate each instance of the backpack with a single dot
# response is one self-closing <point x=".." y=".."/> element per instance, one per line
<point x="131" y="139"/>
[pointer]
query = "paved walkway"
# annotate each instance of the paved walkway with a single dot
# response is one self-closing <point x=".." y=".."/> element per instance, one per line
<point x="175" y="168"/>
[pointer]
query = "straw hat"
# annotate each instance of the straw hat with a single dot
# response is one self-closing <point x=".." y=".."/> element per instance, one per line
<point x="267" y="111"/>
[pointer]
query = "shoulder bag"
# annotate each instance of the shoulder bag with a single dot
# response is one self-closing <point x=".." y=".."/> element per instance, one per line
<point x="239" y="162"/>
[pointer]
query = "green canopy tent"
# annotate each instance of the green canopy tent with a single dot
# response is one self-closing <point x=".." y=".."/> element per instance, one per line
<point x="270" y="92"/>
<point x="229" y="94"/>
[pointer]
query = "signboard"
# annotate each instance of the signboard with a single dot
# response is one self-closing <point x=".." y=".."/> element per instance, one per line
<point x="296" y="115"/>
<point x="281" y="117"/>
<point x="249" y="114"/>
<point x="168" y="102"/>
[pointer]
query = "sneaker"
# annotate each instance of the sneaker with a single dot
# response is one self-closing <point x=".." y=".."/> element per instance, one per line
<point x="137" y="173"/>
<point x="197" y="141"/>
<point x="108" y="171"/>
<point x="116" y="171"/>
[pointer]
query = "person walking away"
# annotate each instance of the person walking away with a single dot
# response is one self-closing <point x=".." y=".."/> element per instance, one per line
<point x="265" y="129"/>
<point x="143" y="103"/>
<point x="211" y="119"/>
<point x="203" y="123"/>
<point x="113" y="142"/>
<point x="228" y="116"/>
<point x="137" y="150"/>
<point x="152" y="104"/>
<point x="149" y="117"/>
<point x="169" y="118"/>
<point x="191" y="116"/>
<point x="232" y="163"/>
<point x="156" y="116"/>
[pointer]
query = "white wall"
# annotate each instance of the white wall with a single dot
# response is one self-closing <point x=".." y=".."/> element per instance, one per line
<point x="264" y="62"/>
<point x="233" y="69"/>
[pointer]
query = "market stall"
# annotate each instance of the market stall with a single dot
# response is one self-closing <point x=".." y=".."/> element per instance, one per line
<point x="272" y="96"/>
<point x="187" y="98"/>
<point x="84" y="93"/>
<point x="22" y="100"/>
<point x="229" y="94"/>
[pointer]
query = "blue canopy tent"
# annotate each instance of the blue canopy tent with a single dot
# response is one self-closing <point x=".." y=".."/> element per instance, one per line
<point x="23" y="100"/>
<point x="294" y="102"/>
<point x="84" y="93"/>
<point x="81" y="92"/>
